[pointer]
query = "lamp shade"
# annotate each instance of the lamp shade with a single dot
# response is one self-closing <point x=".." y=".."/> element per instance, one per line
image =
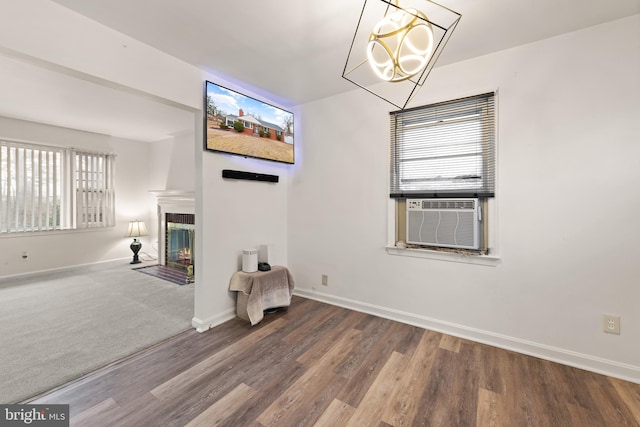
<point x="137" y="229"/>
<point x="395" y="46"/>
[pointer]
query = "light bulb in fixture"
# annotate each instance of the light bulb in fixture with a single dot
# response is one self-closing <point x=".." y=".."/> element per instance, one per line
<point x="400" y="45"/>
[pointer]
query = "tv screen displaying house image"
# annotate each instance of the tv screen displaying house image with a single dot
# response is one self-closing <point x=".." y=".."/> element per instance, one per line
<point x="239" y="124"/>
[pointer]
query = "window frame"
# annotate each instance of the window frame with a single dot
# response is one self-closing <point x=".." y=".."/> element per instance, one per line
<point x="490" y="256"/>
<point x="433" y="118"/>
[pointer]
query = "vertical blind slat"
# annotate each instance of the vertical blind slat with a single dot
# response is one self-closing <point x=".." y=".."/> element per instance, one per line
<point x="39" y="190"/>
<point x="33" y="191"/>
<point x="16" y="197"/>
<point x="2" y="188"/>
<point x="7" y="188"/>
<point x="55" y="191"/>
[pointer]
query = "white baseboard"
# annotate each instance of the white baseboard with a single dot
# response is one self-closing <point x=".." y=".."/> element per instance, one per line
<point x="206" y="324"/>
<point x="555" y="354"/>
<point x="67" y="267"/>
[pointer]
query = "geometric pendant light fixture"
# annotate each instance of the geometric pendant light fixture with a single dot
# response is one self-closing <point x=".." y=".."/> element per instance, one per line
<point x="395" y="46"/>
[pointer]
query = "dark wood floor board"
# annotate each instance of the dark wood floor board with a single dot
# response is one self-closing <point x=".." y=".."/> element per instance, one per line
<point x="545" y="396"/>
<point x="165" y="360"/>
<point x="523" y="393"/>
<point x="264" y="398"/>
<point x="218" y="413"/>
<point x="492" y="410"/>
<point x="293" y="405"/>
<point x="328" y="339"/>
<point x="202" y="395"/>
<point x="195" y="389"/>
<point x="447" y="342"/>
<point x="317" y="364"/>
<point x="452" y="375"/>
<point x="492" y="369"/>
<point x="630" y="395"/>
<point x="98" y="412"/>
<point x="310" y="339"/>
<point x="567" y="393"/>
<point x="114" y="382"/>
<point x="411" y="336"/>
<point x="370" y="410"/>
<point x="314" y="404"/>
<point x="468" y="366"/>
<point x="581" y="416"/>
<point x="337" y="414"/>
<point x="569" y="385"/>
<point x="610" y="404"/>
<point x="315" y="322"/>
<point x="395" y="338"/>
<point x="403" y="404"/>
<point x="184" y="381"/>
<point x="131" y="413"/>
<point x="371" y="335"/>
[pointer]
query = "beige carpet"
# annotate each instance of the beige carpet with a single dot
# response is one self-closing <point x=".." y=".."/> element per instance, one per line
<point x="58" y="326"/>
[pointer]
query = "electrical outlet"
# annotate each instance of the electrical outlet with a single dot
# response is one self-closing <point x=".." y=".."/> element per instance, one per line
<point x="611" y="324"/>
<point x="325" y="280"/>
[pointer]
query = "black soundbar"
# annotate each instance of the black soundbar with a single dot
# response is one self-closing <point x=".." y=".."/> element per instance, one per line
<point x="251" y="176"/>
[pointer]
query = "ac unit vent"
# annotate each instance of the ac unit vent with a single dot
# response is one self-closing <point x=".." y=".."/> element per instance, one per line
<point x="451" y="223"/>
<point x="449" y="204"/>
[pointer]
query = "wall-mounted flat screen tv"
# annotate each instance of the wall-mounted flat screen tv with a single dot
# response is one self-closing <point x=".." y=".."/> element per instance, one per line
<point x="239" y="124"/>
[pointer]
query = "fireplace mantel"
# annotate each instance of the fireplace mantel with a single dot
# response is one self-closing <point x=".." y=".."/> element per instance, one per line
<point x="180" y="198"/>
<point x="171" y="201"/>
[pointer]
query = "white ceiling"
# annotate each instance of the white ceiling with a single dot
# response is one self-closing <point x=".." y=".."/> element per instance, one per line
<point x="290" y="49"/>
<point x="30" y="92"/>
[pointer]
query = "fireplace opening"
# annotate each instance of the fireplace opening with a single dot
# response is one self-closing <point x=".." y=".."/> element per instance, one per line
<point x="179" y="241"/>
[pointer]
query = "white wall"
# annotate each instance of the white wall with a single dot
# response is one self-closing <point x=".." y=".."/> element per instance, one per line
<point x="50" y="250"/>
<point x="172" y="167"/>
<point x="567" y="204"/>
<point x="232" y="215"/>
<point x="173" y="163"/>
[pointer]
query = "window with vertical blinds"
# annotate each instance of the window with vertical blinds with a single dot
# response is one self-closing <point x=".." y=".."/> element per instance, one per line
<point x="94" y="196"/>
<point x="30" y="187"/>
<point x="49" y="188"/>
<point x="445" y="149"/>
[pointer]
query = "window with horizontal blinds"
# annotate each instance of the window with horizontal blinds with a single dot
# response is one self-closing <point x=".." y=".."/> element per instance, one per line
<point x="445" y="149"/>
<point x="50" y="188"/>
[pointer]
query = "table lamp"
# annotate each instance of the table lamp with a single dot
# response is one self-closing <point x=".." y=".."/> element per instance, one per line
<point x="136" y="229"/>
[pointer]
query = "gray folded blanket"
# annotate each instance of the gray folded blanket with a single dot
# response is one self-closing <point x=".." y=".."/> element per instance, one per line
<point x="265" y="290"/>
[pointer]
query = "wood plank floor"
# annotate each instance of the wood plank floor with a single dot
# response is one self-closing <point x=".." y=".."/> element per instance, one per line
<point x="321" y="365"/>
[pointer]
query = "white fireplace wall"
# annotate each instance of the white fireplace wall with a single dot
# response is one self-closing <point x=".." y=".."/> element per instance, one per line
<point x="172" y="177"/>
<point x="173" y="161"/>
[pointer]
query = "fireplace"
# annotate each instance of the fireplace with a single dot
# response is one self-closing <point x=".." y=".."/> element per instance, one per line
<point x="176" y="229"/>
<point x="180" y="233"/>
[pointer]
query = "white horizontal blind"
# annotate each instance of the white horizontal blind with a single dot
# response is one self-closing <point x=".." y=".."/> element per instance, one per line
<point x="94" y="195"/>
<point x="445" y="149"/>
<point x="30" y="187"/>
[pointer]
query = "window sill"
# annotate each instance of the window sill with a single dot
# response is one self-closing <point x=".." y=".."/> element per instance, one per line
<point x="40" y="233"/>
<point x="487" y="260"/>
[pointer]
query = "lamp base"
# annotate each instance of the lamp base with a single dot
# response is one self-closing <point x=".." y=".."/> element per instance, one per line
<point x="135" y="247"/>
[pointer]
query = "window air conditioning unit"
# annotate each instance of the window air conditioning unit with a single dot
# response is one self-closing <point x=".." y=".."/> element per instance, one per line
<point x="450" y="223"/>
